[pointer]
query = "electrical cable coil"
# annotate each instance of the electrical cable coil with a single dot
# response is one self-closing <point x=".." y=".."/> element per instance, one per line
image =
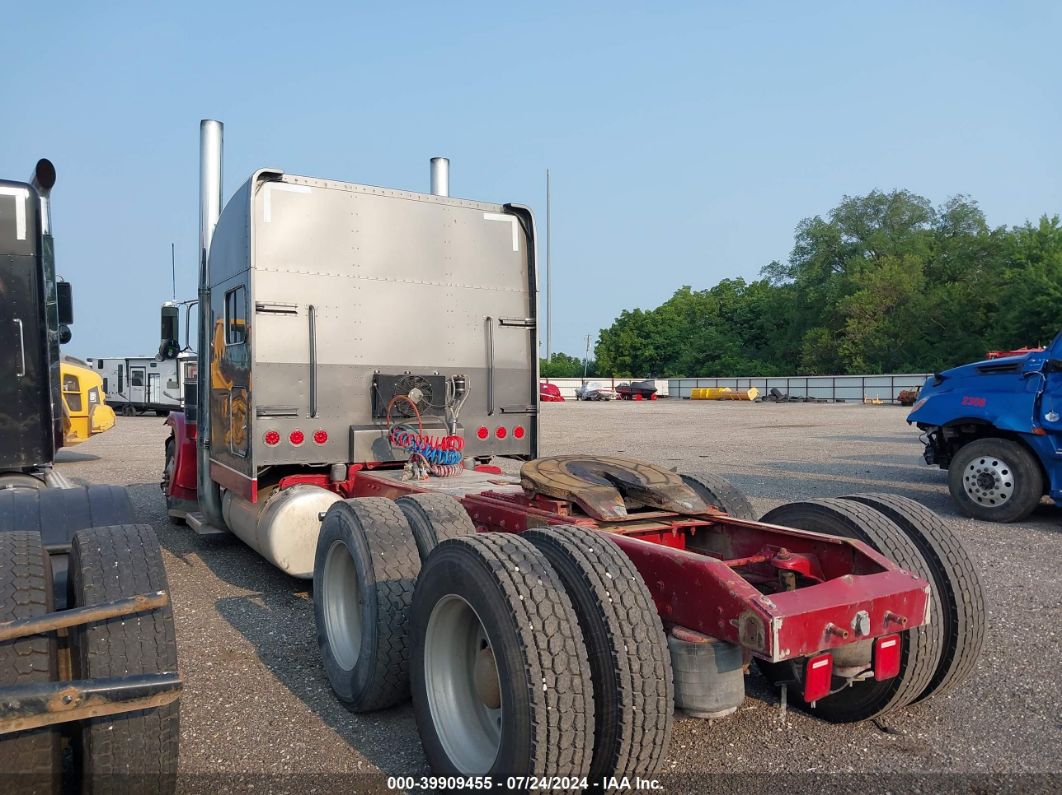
<point x="440" y="450"/>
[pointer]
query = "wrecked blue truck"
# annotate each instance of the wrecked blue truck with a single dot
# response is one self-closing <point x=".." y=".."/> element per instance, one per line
<point x="996" y="426"/>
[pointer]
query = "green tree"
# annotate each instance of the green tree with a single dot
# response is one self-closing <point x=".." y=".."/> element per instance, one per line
<point x="1031" y="298"/>
<point x="884" y="282"/>
<point x="560" y="365"/>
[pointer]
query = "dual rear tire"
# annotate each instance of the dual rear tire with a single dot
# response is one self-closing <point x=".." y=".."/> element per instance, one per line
<point x="936" y="656"/>
<point x="538" y="654"/>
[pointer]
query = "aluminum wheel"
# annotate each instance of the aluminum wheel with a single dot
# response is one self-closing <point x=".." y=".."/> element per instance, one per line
<point x="988" y="480"/>
<point x="462" y="686"/>
<point x="342" y="606"/>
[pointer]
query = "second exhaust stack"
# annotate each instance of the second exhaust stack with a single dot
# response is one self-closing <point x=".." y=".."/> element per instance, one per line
<point x="440" y="176"/>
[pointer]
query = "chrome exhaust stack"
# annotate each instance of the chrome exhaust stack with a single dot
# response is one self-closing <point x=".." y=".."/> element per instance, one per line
<point x="43" y="180"/>
<point x="211" y="139"/>
<point x="440" y="176"/>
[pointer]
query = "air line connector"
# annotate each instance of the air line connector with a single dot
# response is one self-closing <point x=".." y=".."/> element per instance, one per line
<point x="833" y="629"/>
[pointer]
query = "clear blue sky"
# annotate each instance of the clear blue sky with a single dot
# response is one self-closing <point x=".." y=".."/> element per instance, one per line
<point x="685" y="140"/>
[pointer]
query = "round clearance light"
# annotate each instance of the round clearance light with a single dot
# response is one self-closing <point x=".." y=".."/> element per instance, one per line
<point x="482" y="433"/>
<point x="518" y="432"/>
<point x="501" y="433"/>
<point x="320" y="437"/>
<point x="296" y="437"/>
<point x="272" y="438"/>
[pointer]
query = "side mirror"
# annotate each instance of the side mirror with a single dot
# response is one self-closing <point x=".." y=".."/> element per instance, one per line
<point x="170" y="332"/>
<point x="64" y="299"/>
<point x="64" y="334"/>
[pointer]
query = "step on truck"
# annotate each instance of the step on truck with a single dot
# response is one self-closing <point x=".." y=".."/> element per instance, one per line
<point x="369" y="355"/>
<point x="996" y="427"/>
<point x="88" y="661"/>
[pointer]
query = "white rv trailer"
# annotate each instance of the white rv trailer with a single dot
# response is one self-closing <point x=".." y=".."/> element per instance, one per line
<point x="134" y="384"/>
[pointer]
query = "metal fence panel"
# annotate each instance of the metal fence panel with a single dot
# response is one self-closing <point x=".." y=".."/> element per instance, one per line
<point x="841" y="388"/>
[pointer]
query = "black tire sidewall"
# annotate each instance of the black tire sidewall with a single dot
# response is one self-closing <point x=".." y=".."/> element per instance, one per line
<point x="1028" y="487"/>
<point x="451" y="574"/>
<point x="347" y="684"/>
<point x="855" y="701"/>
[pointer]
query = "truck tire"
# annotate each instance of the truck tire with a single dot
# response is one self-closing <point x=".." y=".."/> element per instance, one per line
<point x="56" y="514"/>
<point x="363" y="576"/>
<point x="108" y="563"/>
<point x="168" y="474"/>
<point x="500" y="679"/>
<point x="29" y="760"/>
<point x="434" y="518"/>
<point x="955" y="585"/>
<point x="720" y="493"/>
<point x="921" y="646"/>
<point x="20" y="481"/>
<point x="630" y="665"/>
<point x="996" y="480"/>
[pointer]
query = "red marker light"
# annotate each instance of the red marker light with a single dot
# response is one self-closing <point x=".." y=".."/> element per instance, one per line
<point x="518" y="432"/>
<point x="271" y="438"/>
<point x="887" y="657"/>
<point x="482" y="433"/>
<point x="296" y="437"/>
<point x="320" y="437"/>
<point x="501" y="433"/>
<point x="818" y="676"/>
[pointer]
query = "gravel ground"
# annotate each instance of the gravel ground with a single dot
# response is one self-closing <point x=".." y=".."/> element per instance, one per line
<point x="256" y="703"/>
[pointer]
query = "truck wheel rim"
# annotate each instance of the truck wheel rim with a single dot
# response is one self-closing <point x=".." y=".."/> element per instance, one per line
<point x="342" y="606"/>
<point x="462" y="686"/>
<point x="988" y="481"/>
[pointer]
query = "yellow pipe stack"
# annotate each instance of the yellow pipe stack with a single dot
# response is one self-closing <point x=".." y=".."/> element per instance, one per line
<point x="723" y="393"/>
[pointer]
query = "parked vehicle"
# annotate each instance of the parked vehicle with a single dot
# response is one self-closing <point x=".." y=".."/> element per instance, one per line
<point x="84" y="412"/>
<point x="480" y="594"/>
<point x="996" y="426"/>
<point x="636" y="390"/>
<point x="549" y="393"/>
<point x="135" y="384"/>
<point x="88" y="655"/>
<point x="594" y="390"/>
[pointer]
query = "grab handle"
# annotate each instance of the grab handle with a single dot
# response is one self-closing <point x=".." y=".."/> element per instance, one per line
<point x="490" y="366"/>
<point x="313" y="361"/>
<point x="21" y="350"/>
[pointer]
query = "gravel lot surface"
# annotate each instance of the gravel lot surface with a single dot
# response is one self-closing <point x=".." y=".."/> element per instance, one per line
<point x="256" y="701"/>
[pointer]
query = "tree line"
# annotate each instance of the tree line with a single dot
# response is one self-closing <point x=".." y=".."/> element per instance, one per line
<point x="886" y="282"/>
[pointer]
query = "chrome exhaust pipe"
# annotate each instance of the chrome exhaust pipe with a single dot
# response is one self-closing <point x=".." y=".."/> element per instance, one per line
<point x="211" y="140"/>
<point x="440" y="176"/>
<point x="43" y="180"/>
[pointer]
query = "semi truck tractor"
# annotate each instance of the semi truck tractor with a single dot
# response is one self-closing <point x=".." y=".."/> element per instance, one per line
<point x="88" y="662"/>
<point x="368" y="358"/>
<point x="996" y="426"/>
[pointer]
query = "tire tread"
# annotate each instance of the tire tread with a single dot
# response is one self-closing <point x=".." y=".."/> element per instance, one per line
<point x="110" y="563"/>
<point x="964" y="611"/>
<point x="24" y="590"/>
<point x="721" y="493"/>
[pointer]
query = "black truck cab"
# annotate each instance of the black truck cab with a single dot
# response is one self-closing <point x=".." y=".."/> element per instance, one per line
<point x="34" y="311"/>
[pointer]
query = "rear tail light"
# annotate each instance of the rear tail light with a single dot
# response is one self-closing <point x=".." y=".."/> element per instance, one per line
<point x="518" y="432"/>
<point x="482" y="433"/>
<point x="501" y="433"/>
<point x="296" y="437"/>
<point x="320" y="437"/>
<point x="271" y="438"/>
<point x="818" y="676"/>
<point x="887" y="657"/>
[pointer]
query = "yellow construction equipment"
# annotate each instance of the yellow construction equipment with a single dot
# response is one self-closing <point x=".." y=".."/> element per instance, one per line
<point x="723" y="393"/>
<point x="84" y="411"/>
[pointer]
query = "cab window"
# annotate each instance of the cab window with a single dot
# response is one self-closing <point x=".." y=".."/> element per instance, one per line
<point x="236" y="316"/>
